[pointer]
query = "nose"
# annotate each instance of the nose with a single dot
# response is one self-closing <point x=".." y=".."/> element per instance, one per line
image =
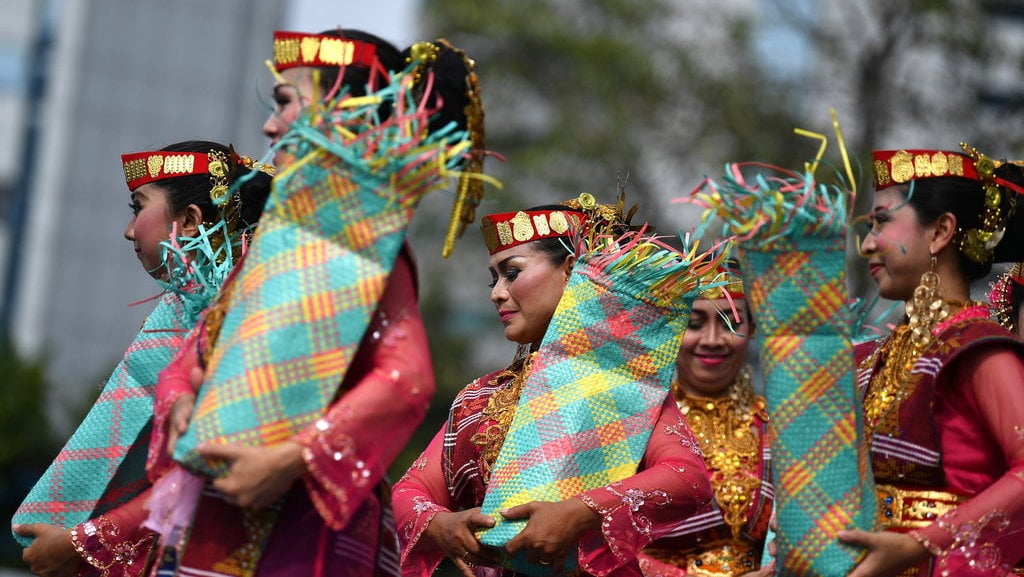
<point x="868" y="244"/>
<point x="129" y="231"/>
<point x="718" y="334"/>
<point x="272" y="128"/>
<point x="499" y="293"/>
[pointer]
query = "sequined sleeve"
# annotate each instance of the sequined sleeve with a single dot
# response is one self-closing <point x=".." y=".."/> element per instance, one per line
<point x="115" y="544"/>
<point x="384" y="399"/>
<point x="672" y="484"/>
<point x="987" y="400"/>
<point x="418" y="496"/>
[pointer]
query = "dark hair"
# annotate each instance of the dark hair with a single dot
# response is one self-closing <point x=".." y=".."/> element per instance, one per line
<point x="195" y="188"/>
<point x="557" y="248"/>
<point x="450" y="84"/>
<point x="356" y="78"/>
<point x="965" y="198"/>
<point x="450" y="89"/>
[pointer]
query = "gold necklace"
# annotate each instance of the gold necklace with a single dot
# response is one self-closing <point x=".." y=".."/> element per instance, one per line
<point x="887" y="388"/>
<point x="890" y="385"/>
<point x="723" y="428"/>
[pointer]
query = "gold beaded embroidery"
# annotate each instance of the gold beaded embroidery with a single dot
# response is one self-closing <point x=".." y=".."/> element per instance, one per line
<point x="500" y="409"/>
<point x="731" y="447"/>
<point x="898" y="354"/>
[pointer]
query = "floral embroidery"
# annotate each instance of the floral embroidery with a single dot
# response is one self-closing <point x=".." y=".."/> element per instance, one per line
<point x="973" y="544"/>
<point x="632" y="500"/>
<point x="412" y="530"/>
<point x="682" y="430"/>
<point x="96" y="542"/>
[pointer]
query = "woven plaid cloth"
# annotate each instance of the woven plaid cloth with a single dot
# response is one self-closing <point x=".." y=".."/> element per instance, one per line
<point x="317" y="267"/>
<point x="597" y="382"/>
<point x="792" y="251"/>
<point x="104" y="462"/>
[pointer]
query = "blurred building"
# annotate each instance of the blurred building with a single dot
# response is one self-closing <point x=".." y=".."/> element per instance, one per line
<point x="104" y="77"/>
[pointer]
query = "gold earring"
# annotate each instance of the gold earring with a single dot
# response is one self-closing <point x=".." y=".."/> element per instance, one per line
<point x="927" y="308"/>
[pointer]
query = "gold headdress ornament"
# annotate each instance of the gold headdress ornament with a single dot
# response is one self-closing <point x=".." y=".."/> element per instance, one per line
<point x="893" y="167"/>
<point x="979" y="244"/>
<point x="732" y="289"/>
<point x="505" y="230"/>
<point x="508" y="229"/>
<point x="292" y="49"/>
<point x="153" y="166"/>
<point x="471" y="181"/>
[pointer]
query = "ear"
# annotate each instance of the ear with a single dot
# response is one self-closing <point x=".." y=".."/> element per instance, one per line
<point x="570" y="261"/>
<point x="943" y="232"/>
<point x="190" y="220"/>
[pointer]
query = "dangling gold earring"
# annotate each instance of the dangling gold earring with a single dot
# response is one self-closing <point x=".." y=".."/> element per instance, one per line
<point x="927" y="308"/>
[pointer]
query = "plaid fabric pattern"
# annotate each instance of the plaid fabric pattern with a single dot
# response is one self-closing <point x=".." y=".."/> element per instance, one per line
<point x="822" y="475"/>
<point x="592" y="396"/>
<point x="316" y="269"/>
<point x="792" y="251"/>
<point x="103" y="464"/>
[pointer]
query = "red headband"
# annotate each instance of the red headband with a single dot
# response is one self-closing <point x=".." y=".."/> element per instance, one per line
<point x="508" y="229"/>
<point x="894" y="167"/>
<point x="292" y="49"/>
<point x="145" y="167"/>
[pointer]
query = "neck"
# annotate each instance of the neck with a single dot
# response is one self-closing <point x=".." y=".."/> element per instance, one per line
<point x="691" y="392"/>
<point x="740" y="381"/>
<point x="952" y="282"/>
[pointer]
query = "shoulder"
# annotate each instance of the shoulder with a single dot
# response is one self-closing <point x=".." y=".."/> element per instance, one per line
<point x="972" y="332"/>
<point x="474" y="396"/>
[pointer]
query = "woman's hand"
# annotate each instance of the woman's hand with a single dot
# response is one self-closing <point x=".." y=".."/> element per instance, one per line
<point x="888" y="553"/>
<point x="52" y="554"/>
<point x="181" y="414"/>
<point x="551" y="532"/>
<point x="257" y="476"/>
<point x="181" y="410"/>
<point x="455" y="535"/>
<point x="765" y="571"/>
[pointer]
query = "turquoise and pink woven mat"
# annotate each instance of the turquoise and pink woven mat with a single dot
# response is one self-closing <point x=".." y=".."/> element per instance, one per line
<point x="597" y="382"/>
<point x="317" y="266"/>
<point x="104" y="462"/>
<point x="791" y="244"/>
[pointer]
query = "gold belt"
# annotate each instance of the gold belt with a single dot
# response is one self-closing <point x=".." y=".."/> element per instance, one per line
<point x="900" y="508"/>
<point x="719" y="559"/>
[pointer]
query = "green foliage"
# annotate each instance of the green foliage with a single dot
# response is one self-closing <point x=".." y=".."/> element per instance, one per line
<point x="26" y="441"/>
<point x="581" y="95"/>
<point x="25" y="437"/>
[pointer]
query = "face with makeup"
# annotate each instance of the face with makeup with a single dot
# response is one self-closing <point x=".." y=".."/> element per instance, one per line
<point x="714" y="347"/>
<point x="897" y="245"/>
<point x="526" y="285"/>
<point x="152" y="223"/>
<point x="293" y="92"/>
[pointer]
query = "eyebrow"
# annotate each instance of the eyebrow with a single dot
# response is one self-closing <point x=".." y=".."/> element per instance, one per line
<point x="279" y="87"/>
<point x="504" y="261"/>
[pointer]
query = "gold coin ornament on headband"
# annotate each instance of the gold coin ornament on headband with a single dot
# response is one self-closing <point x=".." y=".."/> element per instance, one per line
<point x="154" y="164"/>
<point x="219" y="176"/>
